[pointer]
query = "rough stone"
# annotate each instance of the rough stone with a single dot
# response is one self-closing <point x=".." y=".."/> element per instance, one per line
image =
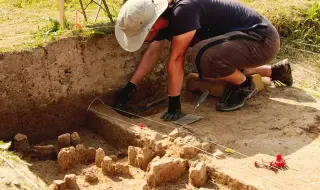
<point x="165" y="170"/>
<point x="140" y="157"/>
<point x="75" y="139"/>
<point x="206" y="146"/>
<point x="66" y="159"/>
<point x="107" y="166"/>
<point x="58" y="185"/>
<point x="71" y="181"/>
<point x="174" y="133"/>
<point x="90" y="156"/>
<point x="218" y="154"/>
<point x="81" y="152"/>
<point x="189" y="152"/>
<point x="21" y="143"/>
<point x="198" y="176"/>
<point x="99" y="157"/>
<point x="132" y="154"/>
<point x="90" y="177"/>
<point x="64" y="141"/>
<point x="47" y="152"/>
<point x="121" y="169"/>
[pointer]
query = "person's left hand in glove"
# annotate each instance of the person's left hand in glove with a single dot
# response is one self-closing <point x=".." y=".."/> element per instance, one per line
<point x="174" y="109"/>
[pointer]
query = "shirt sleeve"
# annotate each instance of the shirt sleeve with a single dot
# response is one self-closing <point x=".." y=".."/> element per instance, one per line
<point x="162" y="35"/>
<point x="185" y="18"/>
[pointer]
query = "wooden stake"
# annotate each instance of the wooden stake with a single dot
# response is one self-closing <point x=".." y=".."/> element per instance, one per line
<point x="97" y="14"/>
<point x="83" y="11"/>
<point x="61" y="11"/>
<point x="108" y="11"/>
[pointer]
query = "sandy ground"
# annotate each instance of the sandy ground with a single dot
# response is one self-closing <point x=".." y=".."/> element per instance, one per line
<point x="277" y="121"/>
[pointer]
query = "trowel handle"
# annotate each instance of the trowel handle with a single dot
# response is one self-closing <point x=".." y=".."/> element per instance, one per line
<point x="201" y="99"/>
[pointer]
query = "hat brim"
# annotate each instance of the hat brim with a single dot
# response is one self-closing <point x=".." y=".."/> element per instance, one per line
<point x="133" y="43"/>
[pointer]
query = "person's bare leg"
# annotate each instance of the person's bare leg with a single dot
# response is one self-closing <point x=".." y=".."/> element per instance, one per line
<point x="264" y="71"/>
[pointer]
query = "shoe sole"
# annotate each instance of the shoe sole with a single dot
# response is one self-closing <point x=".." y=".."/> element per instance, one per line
<point x="253" y="93"/>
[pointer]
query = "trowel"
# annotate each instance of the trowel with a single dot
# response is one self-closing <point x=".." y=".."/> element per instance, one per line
<point x="191" y="118"/>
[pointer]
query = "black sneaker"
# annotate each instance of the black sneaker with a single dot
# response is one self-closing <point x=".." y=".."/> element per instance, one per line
<point x="281" y="73"/>
<point x="234" y="97"/>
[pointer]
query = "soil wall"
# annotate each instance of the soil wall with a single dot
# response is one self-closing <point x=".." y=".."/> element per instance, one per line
<point x="45" y="91"/>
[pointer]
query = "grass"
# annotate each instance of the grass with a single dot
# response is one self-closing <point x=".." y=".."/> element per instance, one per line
<point x="27" y="24"/>
<point x="294" y="19"/>
<point x="31" y="23"/>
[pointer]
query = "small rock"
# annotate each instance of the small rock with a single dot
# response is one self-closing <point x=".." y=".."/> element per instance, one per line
<point x="132" y="154"/>
<point x="48" y="152"/>
<point x="71" y="181"/>
<point x="121" y="169"/>
<point x="99" y="157"/>
<point x="206" y="146"/>
<point x="75" y="139"/>
<point x="66" y="159"/>
<point x="165" y="170"/>
<point x="189" y="152"/>
<point x="155" y="136"/>
<point x="81" y="152"/>
<point x="21" y="143"/>
<point x="219" y="155"/>
<point x="90" y="177"/>
<point x="198" y="176"/>
<point x="90" y="156"/>
<point x="174" y="134"/>
<point x="58" y="185"/>
<point x="64" y="140"/>
<point x="107" y="166"/>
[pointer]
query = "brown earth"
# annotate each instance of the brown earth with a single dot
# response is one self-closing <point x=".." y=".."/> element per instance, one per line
<point x="51" y="87"/>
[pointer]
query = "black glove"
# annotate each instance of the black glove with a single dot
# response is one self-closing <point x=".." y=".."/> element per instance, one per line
<point x="174" y="109"/>
<point x="124" y="95"/>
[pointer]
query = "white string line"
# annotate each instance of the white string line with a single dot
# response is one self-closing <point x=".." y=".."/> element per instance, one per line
<point x="197" y="137"/>
<point x="94" y="111"/>
<point x="11" y="165"/>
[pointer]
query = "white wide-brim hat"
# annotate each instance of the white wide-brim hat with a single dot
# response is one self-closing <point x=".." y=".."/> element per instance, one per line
<point x="135" y="20"/>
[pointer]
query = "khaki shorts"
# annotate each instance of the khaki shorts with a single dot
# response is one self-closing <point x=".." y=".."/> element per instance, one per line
<point x="220" y="56"/>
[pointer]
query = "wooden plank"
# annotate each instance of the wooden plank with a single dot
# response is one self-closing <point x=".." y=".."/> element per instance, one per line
<point x="61" y="13"/>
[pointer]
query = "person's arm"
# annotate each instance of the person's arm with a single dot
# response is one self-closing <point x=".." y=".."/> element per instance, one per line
<point x="175" y="68"/>
<point x="148" y="61"/>
<point x="175" y="65"/>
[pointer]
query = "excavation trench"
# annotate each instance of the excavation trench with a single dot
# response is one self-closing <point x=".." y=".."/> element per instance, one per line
<point x="46" y="92"/>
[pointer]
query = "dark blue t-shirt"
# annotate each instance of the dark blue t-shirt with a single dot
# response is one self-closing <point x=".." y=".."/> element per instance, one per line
<point x="210" y="18"/>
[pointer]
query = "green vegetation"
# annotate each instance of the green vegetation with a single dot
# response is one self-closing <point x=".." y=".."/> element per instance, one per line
<point x="297" y="20"/>
<point x="27" y="24"/>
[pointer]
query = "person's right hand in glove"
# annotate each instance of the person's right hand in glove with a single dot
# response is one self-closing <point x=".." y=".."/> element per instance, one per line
<point x="124" y="95"/>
